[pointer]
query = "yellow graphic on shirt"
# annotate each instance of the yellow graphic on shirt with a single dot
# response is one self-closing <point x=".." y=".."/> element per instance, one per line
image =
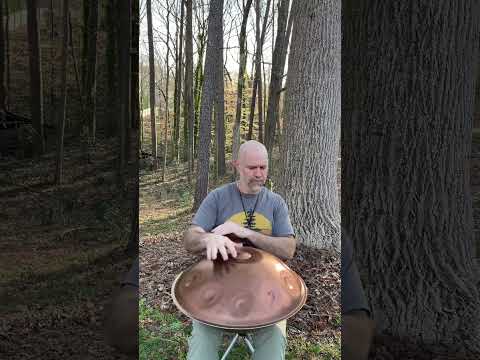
<point x="259" y="222"/>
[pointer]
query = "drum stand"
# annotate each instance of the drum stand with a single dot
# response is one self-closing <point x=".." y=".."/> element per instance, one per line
<point x="248" y="340"/>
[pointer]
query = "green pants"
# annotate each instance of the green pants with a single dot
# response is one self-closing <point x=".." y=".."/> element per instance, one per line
<point x="269" y="342"/>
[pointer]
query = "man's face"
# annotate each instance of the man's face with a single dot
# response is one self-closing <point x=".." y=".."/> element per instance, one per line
<point x="252" y="167"/>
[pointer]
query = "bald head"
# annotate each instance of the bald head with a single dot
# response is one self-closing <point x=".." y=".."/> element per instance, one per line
<point x="251" y="147"/>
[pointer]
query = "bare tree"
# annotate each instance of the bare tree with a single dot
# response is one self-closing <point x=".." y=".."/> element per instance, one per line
<point x="91" y="67"/>
<point x="63" y="96"/>
<point x="278" y="65"/>
<point x="36" y="88"/>
<point x="215" y="34"/>
<point x="189" y="111"/>
<point x="257" y="81"/>
<point x="241" y="80"/>
<point x="151" y="61"/>
<point x="2" y="60"/>
<point x="178" y="85"/>
<point x="406" y="137"/>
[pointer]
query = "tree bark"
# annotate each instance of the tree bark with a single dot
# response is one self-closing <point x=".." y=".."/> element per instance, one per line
<point x="134" y="54"/>
<point x="189" y="111"/>
<point x="167" y="80"/>
<point x="308" y="178"/>
<point x="63" y="97"/>
<point x="36" y="88"/>
<point x="241" y="80"/>
<point x="151" y="62"/>
<point x="198" y="90"/>
<point x="220" y="113"/>
<point x="406" y="136"/>
<point x="278" y="66"/>
<point x="215" y="34"/>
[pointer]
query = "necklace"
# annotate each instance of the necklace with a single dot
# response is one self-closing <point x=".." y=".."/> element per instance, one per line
<point x="249" y="216"/>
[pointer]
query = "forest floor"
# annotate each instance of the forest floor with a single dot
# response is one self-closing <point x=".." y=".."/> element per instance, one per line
<point x="62" y="253"/>
<point x="165" y="212"/>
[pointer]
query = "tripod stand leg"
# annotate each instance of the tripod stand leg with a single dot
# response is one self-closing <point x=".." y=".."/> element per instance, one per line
<point x="232" y="343"/>
<point x="248" y="341"/>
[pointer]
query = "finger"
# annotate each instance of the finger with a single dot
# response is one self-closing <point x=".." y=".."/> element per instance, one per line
<point x="209" y="257"/>
<point x="238" y="245"/>
<point x="214" y="252"/>
<point x="223" y="252"/>
<point x="231" y="249"/>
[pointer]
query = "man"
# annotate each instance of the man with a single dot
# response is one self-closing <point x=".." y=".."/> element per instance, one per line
<point x="260" y="218"/>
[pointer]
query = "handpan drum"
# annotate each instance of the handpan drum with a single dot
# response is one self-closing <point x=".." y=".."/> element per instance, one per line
<point x="253" y="290"/>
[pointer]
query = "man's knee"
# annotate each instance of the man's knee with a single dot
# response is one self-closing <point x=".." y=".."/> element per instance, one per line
<point x="204" y="342"/>
<point x="270" y="342"/>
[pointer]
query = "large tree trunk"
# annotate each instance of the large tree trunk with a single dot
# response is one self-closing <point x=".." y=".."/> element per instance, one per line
<point x="91" y="77"/>
<point x="189" y="111"/>
<point x="406" y="136"/>
<point x="63" y="97"/>
<point x="151" y="62"/>
<point x="278" y="65"/>
<point x="215" y="34"/>
<point x="36" y="88"/>
<point x="241" y="80"/>
<point x="308" y="178"/>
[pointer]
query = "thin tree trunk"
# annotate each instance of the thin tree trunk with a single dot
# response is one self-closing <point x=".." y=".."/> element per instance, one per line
<point x="308" y="178"/>
<point x="2" y="60"/>
<point x="167" y="80"/>
<point x="110" y="53"/>
<point x="7" y="53"/>
<point x="406" y="136"/>
<point x="215" y="33"/>
<point x="124" y="86"/>
<point x="278" y="66"/>
<point x="198" y="91"/>
<point x="178" y="89"/>
<point x="134" y="80"/>
<point x="240" y="81"/>
<point x="189" y="111"/>
<point x="91" y="77"/>
<point x="36" y="88"/>
<point x="63" y="97"/>
<point x="151" y="61"/>
<point x="220" y="114"/>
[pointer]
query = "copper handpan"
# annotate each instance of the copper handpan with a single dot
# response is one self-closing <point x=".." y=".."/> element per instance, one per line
<point x="254" y="290"/>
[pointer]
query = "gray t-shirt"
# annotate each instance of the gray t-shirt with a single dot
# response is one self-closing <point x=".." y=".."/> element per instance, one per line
<point x="353" y="296"/>
<point x="270" y="215"/>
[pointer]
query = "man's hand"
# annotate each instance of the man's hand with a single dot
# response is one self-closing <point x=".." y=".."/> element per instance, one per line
<point x="232" y="228"/>
<point x="215" y="243"/>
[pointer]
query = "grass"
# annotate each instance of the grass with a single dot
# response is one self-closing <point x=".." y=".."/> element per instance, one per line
<point x="164" y="337"/>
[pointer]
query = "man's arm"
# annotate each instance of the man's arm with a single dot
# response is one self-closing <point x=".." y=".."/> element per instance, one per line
<point x="194" y="239"/>
<point x="197" y="240"/>
<point x="280" y="246"/>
